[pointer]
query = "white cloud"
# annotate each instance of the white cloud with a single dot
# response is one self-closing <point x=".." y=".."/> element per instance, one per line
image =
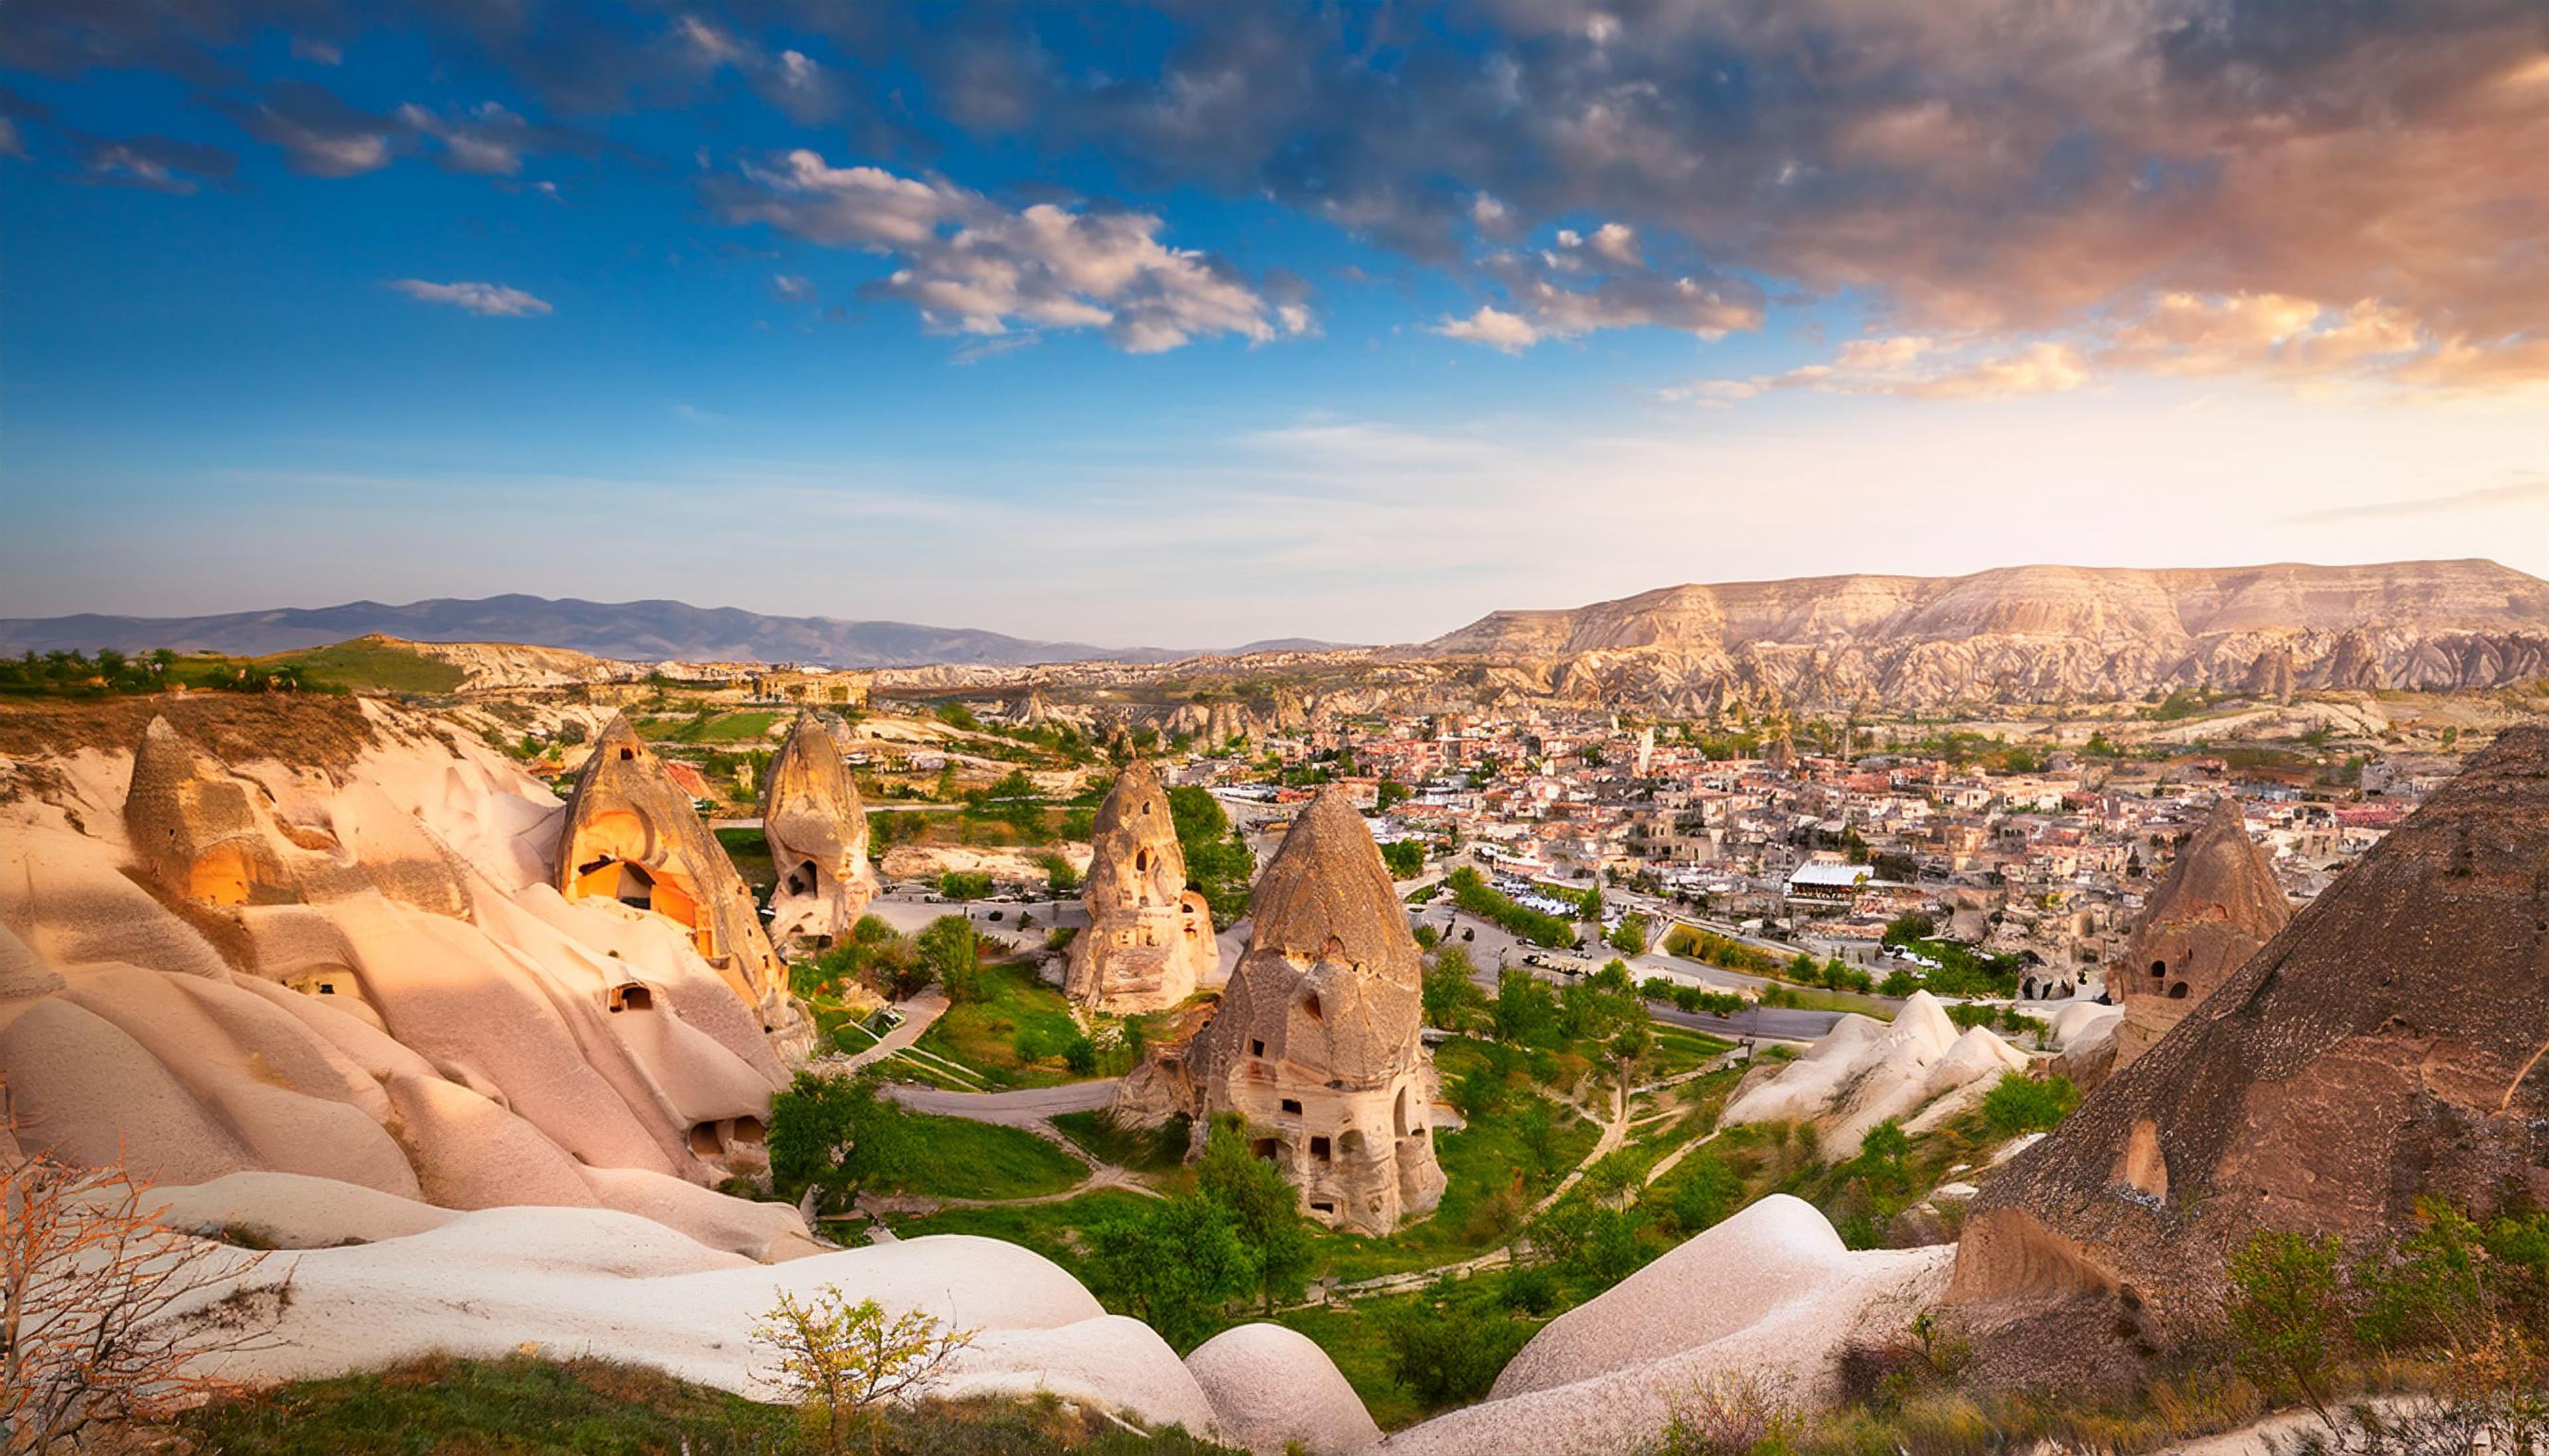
<point x="487" y="139"/>
<point x="972" y="266"/>
<point x="492" y="300"/>
<point x="791" y="287"/>
<point x="1492" y="326"/>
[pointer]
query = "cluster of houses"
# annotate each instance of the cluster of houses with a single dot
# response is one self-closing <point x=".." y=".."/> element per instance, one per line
<point x="2052" y="863"/>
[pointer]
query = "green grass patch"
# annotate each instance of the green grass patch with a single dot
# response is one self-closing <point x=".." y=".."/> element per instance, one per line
<point x="1052" y="1230"/>
<point x="370" y="667"/>
<point x="963" y="1158"/>
<point x="1014" y="1031"/>
<point x="1157" y="1150"/>
<point x="521" y="1406"/>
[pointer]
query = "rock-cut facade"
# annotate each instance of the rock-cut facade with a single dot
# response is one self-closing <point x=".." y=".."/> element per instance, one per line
<point x="631" y="835"/>
<point x="817" y="830"/>
<point x="1315" y="1044"/>
<point x="1148" y="942"/>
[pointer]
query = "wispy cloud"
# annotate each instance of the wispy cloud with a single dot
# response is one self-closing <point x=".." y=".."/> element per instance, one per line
<point x="492" y="300"/>
<point x="2480" y="497"/>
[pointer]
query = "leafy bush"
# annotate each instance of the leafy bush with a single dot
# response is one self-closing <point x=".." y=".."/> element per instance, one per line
<point x="956" y="885"/>
<point x="2020" y="1104"/>
<point x="1450" y="1347"/>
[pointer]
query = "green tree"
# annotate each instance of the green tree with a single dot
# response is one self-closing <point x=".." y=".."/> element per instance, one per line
<point x="1629" y="937"/>
<point x="1266" y="1208"/>
<point x="1172" y="1265"/>
<point x="1450" y="1346"/>
<point x="953" y="954"/>
<point x="2286" y="1314"/>
<point x="1218" y="861"/>
<point x="832" y="1133"/>
<point x="1708" y="1191"/>
<point x="1392" y="794"/>
<point x="1526" y="1012"/>
<point x="1452" y="999"/>
<point x="1404" y="857"/>
<point x="2019" y="1104"/>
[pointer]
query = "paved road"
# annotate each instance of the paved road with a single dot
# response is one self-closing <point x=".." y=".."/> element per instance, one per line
<point x="1010" y="1109"/>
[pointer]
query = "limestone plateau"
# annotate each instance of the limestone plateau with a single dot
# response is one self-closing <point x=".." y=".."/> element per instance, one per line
<point x="2027" y="634"/>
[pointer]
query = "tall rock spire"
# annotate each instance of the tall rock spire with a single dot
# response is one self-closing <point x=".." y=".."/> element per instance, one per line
<point x="817" y="830"/>
<point x="1149" y="941"/>
<point x="1316" y="1041"/>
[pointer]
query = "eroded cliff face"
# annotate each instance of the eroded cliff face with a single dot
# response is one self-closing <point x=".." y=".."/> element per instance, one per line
<point x="2031" y="634"/>
<point x="2384" y="1045"/>
<point x="326" y="938"/>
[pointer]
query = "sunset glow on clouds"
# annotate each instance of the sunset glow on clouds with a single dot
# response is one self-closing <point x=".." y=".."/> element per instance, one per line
<point x="886" y="236"/>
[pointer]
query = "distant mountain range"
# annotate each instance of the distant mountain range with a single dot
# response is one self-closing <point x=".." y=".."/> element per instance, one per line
<point x="2017" y="634"/>
<point x="633" y="631"/>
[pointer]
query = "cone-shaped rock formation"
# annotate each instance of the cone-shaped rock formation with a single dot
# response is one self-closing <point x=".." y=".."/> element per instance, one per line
<point x="1315" y="1044"/>
<point x="2387" y="1046"/>
<point x="1149" y="940"/>
<point x="2217" y="904"/>
<point x="819" y="837"/>
<point x="632" y="836"/>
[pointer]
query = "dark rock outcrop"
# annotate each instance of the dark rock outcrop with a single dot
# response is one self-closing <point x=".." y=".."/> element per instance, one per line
<point x="2387" y="1046"/>
<point x="2217" y="904"/>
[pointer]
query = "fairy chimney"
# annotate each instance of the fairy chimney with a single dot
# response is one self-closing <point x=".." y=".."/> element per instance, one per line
<point x="1149" y="940"/>
<point x="1315" y="1045"/>
<point x="2386" y="1046"/>
<point x="2218" y="903"/>
<point x="819" y="837"/>
<point x="197" y="827"/>
<point x="632" y="836"/>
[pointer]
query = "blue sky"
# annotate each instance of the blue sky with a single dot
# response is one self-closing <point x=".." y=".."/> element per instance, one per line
<point x="1189" y="325"/>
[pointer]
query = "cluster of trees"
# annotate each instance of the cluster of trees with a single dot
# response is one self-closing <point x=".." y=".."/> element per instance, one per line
<point x="1695" y="999"/>
<point x="1472" y="892"/>
<point x="947" y="953"/>
<point x="1219" y="862"/>
<point x="1833" y="975"/>
<point x="65" y="674"/>
<point x="1178" y="1262"/>
<point x="1013" y="802"/>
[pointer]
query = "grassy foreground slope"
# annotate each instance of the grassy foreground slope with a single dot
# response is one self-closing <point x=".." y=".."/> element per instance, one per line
<point x="523" y="1406"/>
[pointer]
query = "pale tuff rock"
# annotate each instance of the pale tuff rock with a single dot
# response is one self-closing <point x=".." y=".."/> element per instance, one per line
<point x="1276" y="1392"/>
<point x="1770" y="1296"/>
<point x="1919" y="1071"/>
<point x="632" y="837"/>
<point x="592" y="1281"/>
<point x="198" y="831"/>
<point x="1315" y="1042"/>
<point x="2217" y="904"/>
<point x="817" y="830"/>
<point x="355" y="972"/>
<point x="2385" y="1045"/>
<point x="1149" y="941"/>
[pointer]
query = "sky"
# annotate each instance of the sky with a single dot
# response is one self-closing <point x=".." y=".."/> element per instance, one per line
<point x="1195" y="322"/>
